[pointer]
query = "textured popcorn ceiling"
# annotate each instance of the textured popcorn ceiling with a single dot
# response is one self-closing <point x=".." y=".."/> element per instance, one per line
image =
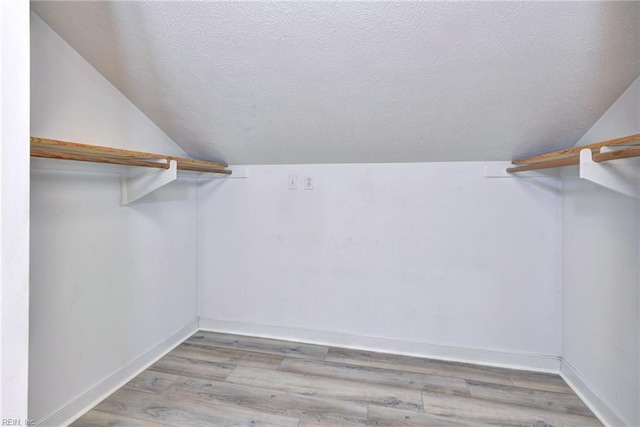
<point x="332" y="82"/>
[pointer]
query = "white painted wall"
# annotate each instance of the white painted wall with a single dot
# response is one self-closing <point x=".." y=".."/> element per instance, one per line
<point x="622" y="118"/>
<point x="73" y="102"/>
<point x="423" y="252"/>
<point x="601" y="279"/>
<point x="14" y="209"/>
<point x="426" y="253"/>
<point x="108" y="283"/>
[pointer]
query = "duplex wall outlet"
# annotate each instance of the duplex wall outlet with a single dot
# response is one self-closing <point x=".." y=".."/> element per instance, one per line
<point x="308" y="182"/>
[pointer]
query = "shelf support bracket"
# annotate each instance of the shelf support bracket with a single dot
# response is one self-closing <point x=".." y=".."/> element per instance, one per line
<point x="621" y="177"/>
<point x="133" y="188"/>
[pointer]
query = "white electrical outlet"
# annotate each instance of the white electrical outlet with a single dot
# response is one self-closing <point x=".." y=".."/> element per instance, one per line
<point x="293" y="182"/>
<point x="308" y="182"/>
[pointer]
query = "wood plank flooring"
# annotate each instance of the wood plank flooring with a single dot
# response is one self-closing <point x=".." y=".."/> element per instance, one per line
<point x="228" y="380"/>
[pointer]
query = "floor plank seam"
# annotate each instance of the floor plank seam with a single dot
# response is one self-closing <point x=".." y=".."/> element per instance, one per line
<point x="225" y="379"/>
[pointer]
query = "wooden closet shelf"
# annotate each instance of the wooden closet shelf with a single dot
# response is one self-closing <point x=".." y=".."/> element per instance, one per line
<point x="571" y="156"/>
<point x="54" y="149"/>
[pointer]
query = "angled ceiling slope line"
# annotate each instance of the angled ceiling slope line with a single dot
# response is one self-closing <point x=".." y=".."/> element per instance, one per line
<point x="334" y="82"/>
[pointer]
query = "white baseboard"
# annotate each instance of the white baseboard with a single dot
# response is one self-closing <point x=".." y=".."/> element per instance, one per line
<point x="530" y="362"/>
<point x="598" y="405"/>
<point x="83" y="403"/>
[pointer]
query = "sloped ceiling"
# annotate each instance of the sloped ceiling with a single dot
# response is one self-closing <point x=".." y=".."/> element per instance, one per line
<point x="328" y="82"/>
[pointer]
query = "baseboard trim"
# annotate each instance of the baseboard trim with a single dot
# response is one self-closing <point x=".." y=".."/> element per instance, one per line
<point x="598" y="405"/>
<point x="83" y="403"/>
<point x="530" y="362"/>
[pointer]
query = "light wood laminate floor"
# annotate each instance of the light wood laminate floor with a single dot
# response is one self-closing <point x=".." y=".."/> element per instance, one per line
<point x="228" y="380"/>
